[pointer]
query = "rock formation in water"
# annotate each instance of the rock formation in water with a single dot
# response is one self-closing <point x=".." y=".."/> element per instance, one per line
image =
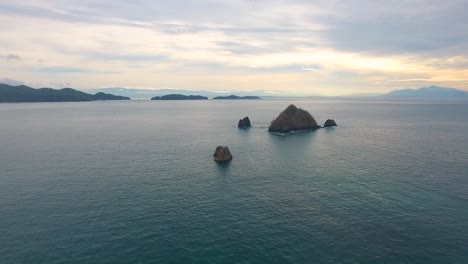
<point x="244" y="122"/>
<point x="180" y="97"/>
<point x="293" y="119"/>
<point x="222" y="154"/>
<point x="329" y="123"/>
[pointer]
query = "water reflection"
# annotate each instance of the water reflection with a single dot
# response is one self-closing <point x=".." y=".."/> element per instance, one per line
<point x="294" y="145"/>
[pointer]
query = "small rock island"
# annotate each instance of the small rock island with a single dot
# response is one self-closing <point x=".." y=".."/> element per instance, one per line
<point x="179" y="97"/>
<point x="222" y="154"/>
<point x="244" y="122"/>
<point x="293" y="119"/>
<point x="330" y="123"/>
<point x="234" y="97"/>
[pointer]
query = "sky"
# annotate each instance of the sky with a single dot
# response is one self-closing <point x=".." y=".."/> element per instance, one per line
<point x="322" y="47"/>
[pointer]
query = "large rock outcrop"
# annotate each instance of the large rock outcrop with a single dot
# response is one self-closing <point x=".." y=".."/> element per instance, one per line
<point x="329" y="123"/>
<point x="244" y="122"/>
<point x="293" y="119"/>
<point x="222" y="154"/>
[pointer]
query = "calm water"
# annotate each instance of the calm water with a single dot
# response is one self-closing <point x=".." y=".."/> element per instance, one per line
<point x="135" y="182"/>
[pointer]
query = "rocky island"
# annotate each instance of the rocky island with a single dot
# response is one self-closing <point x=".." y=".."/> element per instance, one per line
<point x="293" y="119"/>
<point x="179" y="97"/>
<point x="237" y="97"/>
<point x="222" y="154"/>
<point x="23" y="93"/>
<point x="329" y="123"/>
<point x="244" y="122"/>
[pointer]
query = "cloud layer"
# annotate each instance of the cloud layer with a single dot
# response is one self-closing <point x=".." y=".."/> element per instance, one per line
<point x="309" y="47"/>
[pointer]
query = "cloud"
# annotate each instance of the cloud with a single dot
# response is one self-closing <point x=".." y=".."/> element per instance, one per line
<point x="126" y="57"/>
<point x="330" y="46"/>
<point x="71" y="70"/>
<point x="55" y="70"/>
<point x="10" y="81"/>
<point x="386" y="27"/>
<point x="11" y="57"/>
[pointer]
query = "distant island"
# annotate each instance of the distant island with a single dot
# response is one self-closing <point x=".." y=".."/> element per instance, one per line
<point x="427" y="92"/>
<point x="237" y="97"/>
<point x="23" y="93"/>
<point x="179" y="97"/>
<point x="138" y="93"/>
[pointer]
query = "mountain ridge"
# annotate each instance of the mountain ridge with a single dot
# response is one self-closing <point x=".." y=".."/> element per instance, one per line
<point x="179" y="97"/>
<point x="427" y="92"/>
<point x="236" y="97"/>
<point x="139" y="93"/>
<point x="23" y="93"/>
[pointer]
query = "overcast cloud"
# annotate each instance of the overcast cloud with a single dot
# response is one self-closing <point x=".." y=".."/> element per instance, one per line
<point x="316" y="47"/>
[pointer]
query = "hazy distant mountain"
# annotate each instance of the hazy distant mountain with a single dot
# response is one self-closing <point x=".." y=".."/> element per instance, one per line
<point x="22" y="93"/>
<point x="428" y="92"/>
<point x="149" y="93"/>
<point x="11" y="81"/>
<point x="231" y="97"/>
<point x="359" y="95"/>
<point x="179" y="97"/>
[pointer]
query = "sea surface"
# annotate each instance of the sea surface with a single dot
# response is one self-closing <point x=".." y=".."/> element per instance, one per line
<point x="135" y="182"/>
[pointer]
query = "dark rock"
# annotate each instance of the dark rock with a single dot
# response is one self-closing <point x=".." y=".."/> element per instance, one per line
<point x="293" y="119"/>
<point x="244" y="122"/>
<point x="329" y="123"/>
<point x="222" y="154"/>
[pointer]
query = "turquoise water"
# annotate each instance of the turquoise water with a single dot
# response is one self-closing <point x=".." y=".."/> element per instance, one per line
<point x="135" y="182"/>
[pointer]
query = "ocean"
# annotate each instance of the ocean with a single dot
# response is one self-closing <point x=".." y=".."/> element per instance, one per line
<point x="135" y="182"/>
